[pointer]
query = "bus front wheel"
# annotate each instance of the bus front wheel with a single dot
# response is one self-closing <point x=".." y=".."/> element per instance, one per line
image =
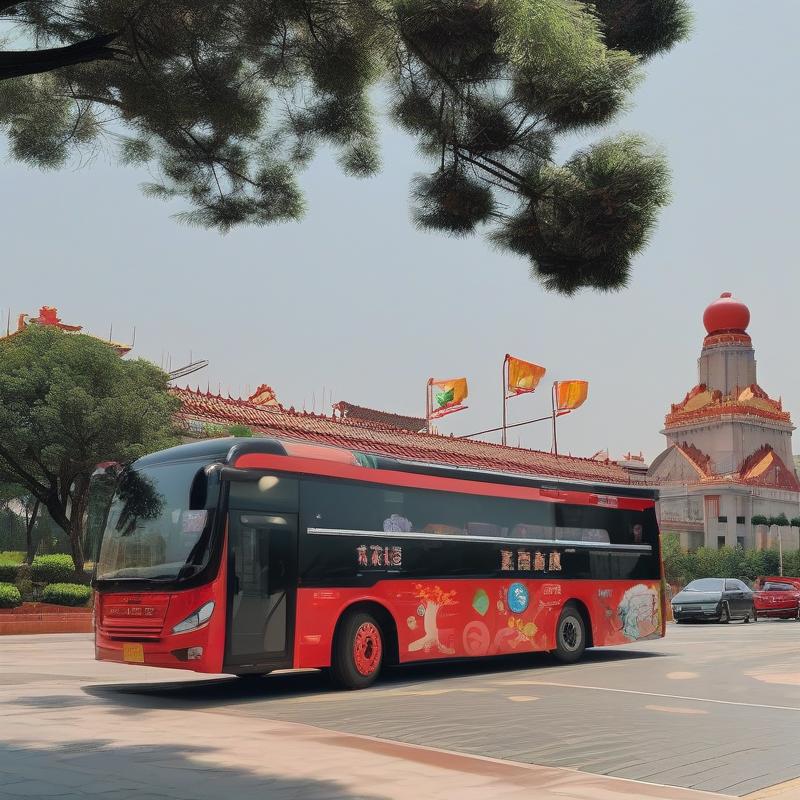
<point x="570" y="635"/>
<point x="358" y="651"/>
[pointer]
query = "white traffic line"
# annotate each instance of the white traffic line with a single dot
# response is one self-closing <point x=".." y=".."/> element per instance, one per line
<point x="648" y="694"/>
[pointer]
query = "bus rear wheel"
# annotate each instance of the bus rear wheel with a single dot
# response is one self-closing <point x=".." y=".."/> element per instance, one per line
<point x="570" y="635"/>
<point x="358" y="651"/>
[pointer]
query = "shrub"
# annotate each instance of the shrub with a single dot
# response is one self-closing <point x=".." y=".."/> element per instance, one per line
<point x="52" y="569"/>
<point x="725" y="562"/>
<point x="66" y="594"/>
<point x="8" y="573"/>
<point x="9" y="596"/>
<point x="674" y="557"/>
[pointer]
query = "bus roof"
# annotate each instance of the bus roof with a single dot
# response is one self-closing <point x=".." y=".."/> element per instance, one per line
<point x="228" y="450"/>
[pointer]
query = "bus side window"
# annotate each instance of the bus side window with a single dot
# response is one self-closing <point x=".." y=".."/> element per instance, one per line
<point x="482" y="529"/>
<point x="523" y="531"/>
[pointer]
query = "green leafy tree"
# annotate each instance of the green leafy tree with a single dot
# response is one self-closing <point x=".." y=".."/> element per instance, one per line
<point x="21" y="502"/>
<point x="780" y="521"/>
<point x="227" y="102"/>
<point x="67" y="403"/>
<point x="760" y="519"/>
<point x="13" y="530"/>
<point x="674" y="558"/>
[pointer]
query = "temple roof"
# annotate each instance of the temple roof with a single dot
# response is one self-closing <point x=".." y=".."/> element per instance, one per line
<point x="373" y="436"/>
<point x="701" y="403"/>
<point x="48" y="316"/>
<point x="763" y="468"/>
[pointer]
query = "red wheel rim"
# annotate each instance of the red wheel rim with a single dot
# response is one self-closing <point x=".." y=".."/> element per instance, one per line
<point x="367" y="648"/>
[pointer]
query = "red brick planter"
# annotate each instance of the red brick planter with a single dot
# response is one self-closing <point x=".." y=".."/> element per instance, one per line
<point x="45" y="618"/>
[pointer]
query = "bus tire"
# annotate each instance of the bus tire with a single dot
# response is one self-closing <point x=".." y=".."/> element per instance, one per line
<point x="358" y="651"/>
<point x="570" y="635"/>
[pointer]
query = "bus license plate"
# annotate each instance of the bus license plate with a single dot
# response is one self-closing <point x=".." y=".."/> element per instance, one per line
<point x="133" y="652"/>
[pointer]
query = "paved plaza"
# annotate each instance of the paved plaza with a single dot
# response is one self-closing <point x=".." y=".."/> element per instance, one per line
<point x="711" y="709"/>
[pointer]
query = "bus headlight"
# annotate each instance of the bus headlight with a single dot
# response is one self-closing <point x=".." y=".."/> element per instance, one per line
<point x="196" y="619"/>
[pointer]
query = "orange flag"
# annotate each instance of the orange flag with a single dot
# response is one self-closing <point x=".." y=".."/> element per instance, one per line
<point x="523" y="376"/>
<point x="448" y="396"/>
<point x="571" y="394"/>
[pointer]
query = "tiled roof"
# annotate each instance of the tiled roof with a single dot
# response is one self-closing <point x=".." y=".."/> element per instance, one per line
<point x="766" y="468"/>
<point x="762" y="468"/>
<point x="383" y="418"/>
<point x="696" y="456"/>
<point x="372" y="437"/>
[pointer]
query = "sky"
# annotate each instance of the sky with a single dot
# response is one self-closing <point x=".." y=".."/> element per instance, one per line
<point x="355" y="304"/>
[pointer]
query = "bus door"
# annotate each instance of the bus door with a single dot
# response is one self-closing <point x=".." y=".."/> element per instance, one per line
<point x="262" y="577"/>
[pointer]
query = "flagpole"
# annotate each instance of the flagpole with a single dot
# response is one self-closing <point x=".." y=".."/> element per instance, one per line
<point x="553" y="400"/>
<point x="428" y="406"/>
<point x="505" y="397"/>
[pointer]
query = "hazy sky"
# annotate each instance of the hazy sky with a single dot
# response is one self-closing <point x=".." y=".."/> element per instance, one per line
<point x="355" y="300"/>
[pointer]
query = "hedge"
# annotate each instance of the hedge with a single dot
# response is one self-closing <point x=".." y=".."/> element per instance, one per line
<point x="8" y="573"/>
<point x="725" y="562"/>
<point x="53" y="568"/>
<point x="9" y="596"/>
<point x="67" y="594"/>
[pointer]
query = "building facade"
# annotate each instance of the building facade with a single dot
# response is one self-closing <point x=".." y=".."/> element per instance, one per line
<point x="729" y="446"/>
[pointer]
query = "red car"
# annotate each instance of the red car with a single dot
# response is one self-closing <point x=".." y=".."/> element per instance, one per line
<point x="777" y="597"/>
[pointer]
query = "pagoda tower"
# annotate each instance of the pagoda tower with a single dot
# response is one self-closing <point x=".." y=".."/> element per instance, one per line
<point x="729" y="453"/>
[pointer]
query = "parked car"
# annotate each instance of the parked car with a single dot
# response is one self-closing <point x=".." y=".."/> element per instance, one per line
<point x="778" y="597"/>
<point x="717" y="599"/>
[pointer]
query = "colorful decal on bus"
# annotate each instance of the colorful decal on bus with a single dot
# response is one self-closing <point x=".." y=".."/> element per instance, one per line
<point x="433" y="599"/>
<point x="640" y="612"/>
<point x="517" y="597"/>
<point x="457" y="617"/>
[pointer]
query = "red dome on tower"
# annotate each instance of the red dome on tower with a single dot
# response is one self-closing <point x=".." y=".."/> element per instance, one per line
<point x="726" y="314"/>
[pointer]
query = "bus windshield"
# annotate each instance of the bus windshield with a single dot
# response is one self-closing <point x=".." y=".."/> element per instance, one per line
<point x="152" y="532"/>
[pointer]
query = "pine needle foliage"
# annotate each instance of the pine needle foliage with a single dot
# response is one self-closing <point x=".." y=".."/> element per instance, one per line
<point x="227" y="102"/>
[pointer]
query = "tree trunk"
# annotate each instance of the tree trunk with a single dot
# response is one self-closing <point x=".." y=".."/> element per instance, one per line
<point x="32" y="62"/>
<point x="30" y="523"/>
<point x="77" y="513"/>
<point x="75" y="544"/>
<point x="70" y="518"/>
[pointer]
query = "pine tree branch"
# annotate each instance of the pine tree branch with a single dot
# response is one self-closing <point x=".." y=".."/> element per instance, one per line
<point x="91" y="98"/>
<point x="15" y="63"/>
<point x="7" y="4"/>
<point x="518" y="183"/>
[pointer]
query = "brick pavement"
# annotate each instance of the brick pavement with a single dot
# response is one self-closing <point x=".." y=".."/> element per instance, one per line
<point x="58" y="740"/>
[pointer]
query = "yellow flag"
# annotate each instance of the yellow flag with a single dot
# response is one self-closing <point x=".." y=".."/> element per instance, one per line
<point x="523" y="376"/>
<point x="571" y="394"/>
<point x="448" y="396"/>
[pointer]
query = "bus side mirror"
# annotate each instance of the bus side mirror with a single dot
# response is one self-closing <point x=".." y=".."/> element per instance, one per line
<point x="204" y="491"/>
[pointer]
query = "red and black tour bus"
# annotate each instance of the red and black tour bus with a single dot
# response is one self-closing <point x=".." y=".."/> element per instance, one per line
<point x="244" y="556"/>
